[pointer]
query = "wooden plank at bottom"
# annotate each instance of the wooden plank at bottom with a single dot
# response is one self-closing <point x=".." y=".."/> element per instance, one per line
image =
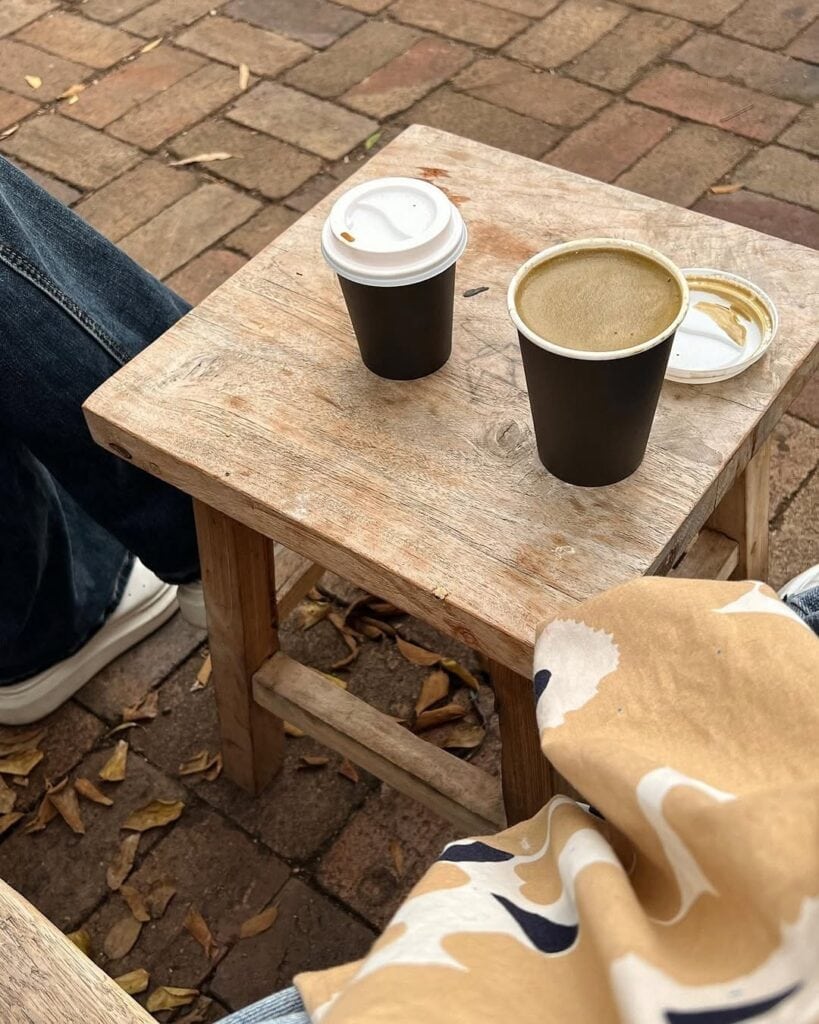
<point x="47" y="980"/>
<point x="454" y="789"/>
<point x="712" y="556"/>
<point x="295" y="575"/>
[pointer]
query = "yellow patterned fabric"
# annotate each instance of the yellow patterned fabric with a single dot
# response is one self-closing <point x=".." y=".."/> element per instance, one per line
<point x="687" y="891"/>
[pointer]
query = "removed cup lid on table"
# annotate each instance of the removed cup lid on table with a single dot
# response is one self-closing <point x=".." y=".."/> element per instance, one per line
<point x="730" y="324"/>
<point x="391" y="232"/>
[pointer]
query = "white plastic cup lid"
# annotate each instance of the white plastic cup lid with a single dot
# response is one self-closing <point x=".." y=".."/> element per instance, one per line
<point x="730" y="324"/>
<point x="393" y="231"/>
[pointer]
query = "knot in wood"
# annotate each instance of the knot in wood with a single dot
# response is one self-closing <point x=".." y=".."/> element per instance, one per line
<point x="509" y="437"/>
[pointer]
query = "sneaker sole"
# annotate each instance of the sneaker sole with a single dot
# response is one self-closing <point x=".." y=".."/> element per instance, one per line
<point x="33" y="699"/>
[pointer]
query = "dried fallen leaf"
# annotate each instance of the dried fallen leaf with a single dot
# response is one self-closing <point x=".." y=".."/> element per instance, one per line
<point x="462" y="673"/>
<point x="114" y="768"/>
<point x="417" y="655"/>
<point x="120" y="866"/>
<point x="199" y="1013"/>
<point x="381" y="628"/>
<point x="9" y="131"/>
<point x="21" y="763"/>
<point x="348" y="659"/>
<point x="197" y="927"/>
<point x="46" y="812"/>
<point x="215" y="770"/>
<point x="63" y="796"/>
<point x="122" y="938"/>
<point x="258" y="923"/>
<point x="378" y="607"/>
<point x="136" y="901"/>
<point x="20" y="780"/>
<point x="34" y="81"/>
<point x="292" y="730"/>
<point x="121" y="728"/>
<point x="198" y="762"/>
<point x="438" y="716"/>
<point x="7" y="820"/>
<point x="310" y="761"/>
<point x="134" y="982"/>
<point x="369" y="630"/>
<point x="146" y="710"/>
<point x="309" y="613"/>
<point x="17" y="740"/>
<point x="71" y="91"/>
<point x="203" y="675"/>
<point x="434" y="688"/>
<point x="371" y="140"/>
<point x="167" y="997"/>
<point x="244" y="76"/>
<point x="397" y="854"/>
<point x="348" y="770"/>
<point x="724" y="190"/>
<point x="202" y="158"/>
<point x="348" y="635"/>
<point x="7" y="797"/>
<point x="82" y="940"/>
<point x="156" y="814"/>
<point x="464" y="736"/>
<point x="72" y="100"/>
<point x="90" y="792"/>
<point x="151" y="46"/>
<point x="159" y="896"/>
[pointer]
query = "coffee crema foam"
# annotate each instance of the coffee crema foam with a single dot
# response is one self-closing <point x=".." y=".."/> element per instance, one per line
<point x="598" y="300"/>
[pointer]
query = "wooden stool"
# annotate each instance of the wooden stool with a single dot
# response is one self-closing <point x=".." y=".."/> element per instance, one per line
<point x="429" y="493"/>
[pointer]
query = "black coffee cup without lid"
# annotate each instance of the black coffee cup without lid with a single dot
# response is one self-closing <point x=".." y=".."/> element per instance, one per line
<point x="593" y="411"/>
<point x="394" y="243"/>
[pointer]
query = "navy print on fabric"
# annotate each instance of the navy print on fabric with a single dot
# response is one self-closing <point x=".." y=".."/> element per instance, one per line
<point x="731" y="1014"/>
<point x="545" y="935"/>
<point x="475" y="853"/>
<point x="542" y="677"/>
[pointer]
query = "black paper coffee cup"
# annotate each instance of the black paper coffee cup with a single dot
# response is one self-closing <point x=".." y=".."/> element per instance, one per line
<point x="393" y="243"/>
<point x="592" y="411"/>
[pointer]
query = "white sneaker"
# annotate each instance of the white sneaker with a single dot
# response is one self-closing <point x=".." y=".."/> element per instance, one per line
<point x="146" y="604"/>
<point x="799" y="584"/>
<point x="192" y="604"/>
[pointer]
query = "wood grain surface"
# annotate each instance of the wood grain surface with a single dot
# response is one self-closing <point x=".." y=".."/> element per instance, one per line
<point x="743" y="515"/>
<point x="712" y="556"/>
<point x="46" y="980"/>
<point x="430" y="492"/>
<point x="239" y="582"/>
<point x="528" y="779"/>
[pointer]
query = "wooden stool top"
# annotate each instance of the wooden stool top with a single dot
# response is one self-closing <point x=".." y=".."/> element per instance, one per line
<point x="430" y="492"/>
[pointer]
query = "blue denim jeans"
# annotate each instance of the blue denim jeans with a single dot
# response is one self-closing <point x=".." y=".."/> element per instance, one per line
<point x="73" y="309"/>
<point x="284" y="1007"/>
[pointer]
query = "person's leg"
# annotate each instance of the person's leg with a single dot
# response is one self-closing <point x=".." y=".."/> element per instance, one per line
<point x="801" y="594"/>
<point x="60" y="572"/>
<point x="73" y="309"/>
<point x="285" y="1007"/>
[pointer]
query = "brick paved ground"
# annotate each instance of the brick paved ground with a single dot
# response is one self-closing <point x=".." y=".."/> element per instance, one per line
<point x="665" y="97"/>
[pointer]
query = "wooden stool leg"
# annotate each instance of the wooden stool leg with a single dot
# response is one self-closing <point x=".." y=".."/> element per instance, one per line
<point x="742" y="515"/>
<point x="239" y="585"/>
<point x="526" y="775"/>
